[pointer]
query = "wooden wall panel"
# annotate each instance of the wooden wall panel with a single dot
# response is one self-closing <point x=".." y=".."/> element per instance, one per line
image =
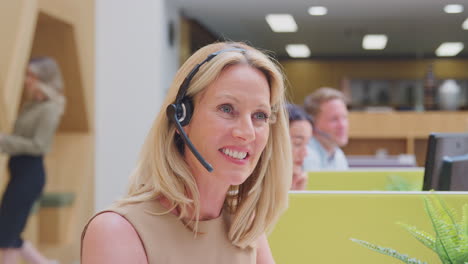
<point x="63" y="29"/>
<point x="305" y="76"/>
<point x="17" y="23"/>
<point x="400" y="133"/>
<point x="405" y="124"/>
<point x="370" y="146"/>
<point x="56" y="38"/>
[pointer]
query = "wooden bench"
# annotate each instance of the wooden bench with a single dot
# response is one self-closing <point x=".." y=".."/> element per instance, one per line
<point x="55" y="217"/>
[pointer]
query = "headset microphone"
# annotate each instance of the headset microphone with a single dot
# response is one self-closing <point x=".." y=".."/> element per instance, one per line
<point x="328" y="138"/>
<point x="321" y="133"/>
<point x="171" y="114"/>
<point x="324" y="134"/>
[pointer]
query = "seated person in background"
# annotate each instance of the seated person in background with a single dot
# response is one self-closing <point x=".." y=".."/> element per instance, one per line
<point x="300" y="130"/>
<point x="228" y="100"/>
<point x="327" y="106"/>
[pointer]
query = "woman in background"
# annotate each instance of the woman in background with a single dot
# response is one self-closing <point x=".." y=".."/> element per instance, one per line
<point x="300" y="130"/>
<point x="31" y="139"/>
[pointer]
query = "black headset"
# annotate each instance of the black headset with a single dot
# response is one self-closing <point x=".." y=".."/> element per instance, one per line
<point x="180" y="112"/>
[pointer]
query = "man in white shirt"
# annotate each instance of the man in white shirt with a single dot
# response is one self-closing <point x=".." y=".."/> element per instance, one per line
<point x="327" y="106"/>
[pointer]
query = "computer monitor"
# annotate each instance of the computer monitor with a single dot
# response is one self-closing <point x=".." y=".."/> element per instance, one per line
<point x="454" y="174"/>
<point x="442" y="145"/>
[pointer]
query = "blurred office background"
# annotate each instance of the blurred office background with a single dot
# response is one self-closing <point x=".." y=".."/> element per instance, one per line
<point x="119" y="57"/>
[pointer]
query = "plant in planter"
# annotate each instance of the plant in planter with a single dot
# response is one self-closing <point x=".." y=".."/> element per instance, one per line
<point x="398" y="183"/>
<point x="450" y="242"/>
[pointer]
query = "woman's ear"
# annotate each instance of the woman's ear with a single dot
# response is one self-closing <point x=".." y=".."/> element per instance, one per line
<point x="186" y="128"/>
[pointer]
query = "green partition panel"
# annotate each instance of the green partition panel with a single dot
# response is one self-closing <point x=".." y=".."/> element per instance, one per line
<point x="367" y="180"/>
<point x="318" y="226"/>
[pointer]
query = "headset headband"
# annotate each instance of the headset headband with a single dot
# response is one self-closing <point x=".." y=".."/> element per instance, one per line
<point x="185" y="84"/>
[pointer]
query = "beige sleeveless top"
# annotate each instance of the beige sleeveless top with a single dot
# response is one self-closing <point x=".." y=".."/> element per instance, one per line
<point x="167" y="241"/>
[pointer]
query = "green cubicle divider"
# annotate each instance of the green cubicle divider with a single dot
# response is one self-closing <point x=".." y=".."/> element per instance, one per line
<point x="318" y="226"/>
<point x="409" y="179"/>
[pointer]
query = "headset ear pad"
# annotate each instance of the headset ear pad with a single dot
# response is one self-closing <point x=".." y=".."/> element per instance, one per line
<point x="185" y="111"/>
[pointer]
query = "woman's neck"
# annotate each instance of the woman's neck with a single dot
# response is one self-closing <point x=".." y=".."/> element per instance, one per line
<point x="211" y="199"/>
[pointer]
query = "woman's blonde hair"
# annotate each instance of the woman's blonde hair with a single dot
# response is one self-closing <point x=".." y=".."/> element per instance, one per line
<point x="162" y="171"/>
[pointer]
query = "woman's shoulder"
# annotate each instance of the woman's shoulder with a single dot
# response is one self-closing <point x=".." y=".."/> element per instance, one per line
<point x="110" y="238"/>
<point x="109" y="223"/>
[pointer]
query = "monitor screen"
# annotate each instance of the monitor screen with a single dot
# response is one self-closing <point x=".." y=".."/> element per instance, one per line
<point x="454" y="174"/>
<point x="441" y="145"/>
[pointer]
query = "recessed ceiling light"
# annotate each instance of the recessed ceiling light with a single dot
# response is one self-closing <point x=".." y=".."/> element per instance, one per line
<point x="448" y="49"/>
<point x="374" y="42"/>
<point x="465" y="24"/>
<point x="281" y="22"/>
<point x="298" y="50"/>
<point x="318" y="11"/>
<point x="453" y="9"/>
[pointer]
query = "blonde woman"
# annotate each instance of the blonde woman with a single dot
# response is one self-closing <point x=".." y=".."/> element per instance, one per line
<point x="176" y="210"/>
<point x="31" y="139"/>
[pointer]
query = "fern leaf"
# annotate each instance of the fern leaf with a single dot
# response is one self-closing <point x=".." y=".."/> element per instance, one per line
<point x="463" y="246"/>
<point x="448" y="237"/>
<point x="451" y="238"/>
<point x="464" y="221"/>
<point x="388" y="251"/>
<point x="462" y="250"/>
<point x="435" y="215"/>
<point x="396" y="182"/>
<point x="449" y="214"/>
<point x="422" y="236"/>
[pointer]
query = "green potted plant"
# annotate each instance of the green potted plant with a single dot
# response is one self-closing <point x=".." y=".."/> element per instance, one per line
<point x="397" y="183"/>
<point x="450" y="242"/>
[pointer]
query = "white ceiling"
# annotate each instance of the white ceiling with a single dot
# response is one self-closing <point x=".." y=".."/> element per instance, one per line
<point x="415" y="28"/>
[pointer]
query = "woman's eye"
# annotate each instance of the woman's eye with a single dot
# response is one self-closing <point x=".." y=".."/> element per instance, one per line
<point x="261" y="116"/>
<point x="225" y="108"/>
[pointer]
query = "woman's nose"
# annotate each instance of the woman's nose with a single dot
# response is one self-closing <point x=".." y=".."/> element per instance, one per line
<point x="244" y="129"/>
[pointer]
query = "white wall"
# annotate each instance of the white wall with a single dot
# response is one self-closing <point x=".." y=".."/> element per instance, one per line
<point x="170" y="57"/>
<point x="134" y="66"/>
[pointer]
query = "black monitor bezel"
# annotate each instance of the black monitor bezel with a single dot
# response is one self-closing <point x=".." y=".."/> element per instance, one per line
<point x="431" y="177"/>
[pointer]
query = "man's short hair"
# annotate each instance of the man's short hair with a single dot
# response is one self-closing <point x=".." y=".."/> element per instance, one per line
<point x="314" y="100"/>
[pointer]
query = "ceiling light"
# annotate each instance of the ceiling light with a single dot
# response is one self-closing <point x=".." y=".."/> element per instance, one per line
<point x="281" y="22"/>
<point x="318" y="10"/>
<point x="374" y="42"/>
<point x="298" y="50"/>
<point x="453" y="9"/>
<point x="465" y="24"/>
<point x="448" y="49"/>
